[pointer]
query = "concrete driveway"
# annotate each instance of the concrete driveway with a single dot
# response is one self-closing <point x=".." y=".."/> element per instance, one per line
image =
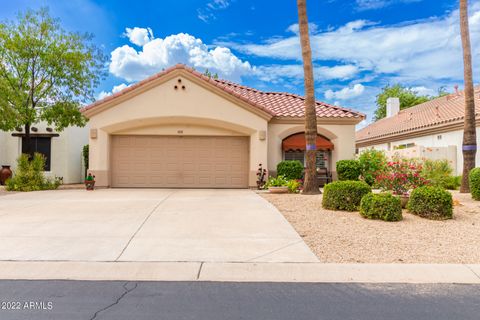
<point x="146" y="225"/>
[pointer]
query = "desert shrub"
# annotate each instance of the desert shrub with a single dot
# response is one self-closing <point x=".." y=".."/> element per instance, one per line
<point x="290" y="169"/>
<point x="372" y="163"/>
<point x="348" y="170"/>
<point x="474" y="179"/>
<point x="431" y="202"/>
<point x="28" y="176"/>
<point x="278" y="181"/>
<point x="344" y="195"/>
<point x="294" y="186"/>
<point x="438" y="173"/>
<point x="384" y="206"/>
<point x="452" y="183"/>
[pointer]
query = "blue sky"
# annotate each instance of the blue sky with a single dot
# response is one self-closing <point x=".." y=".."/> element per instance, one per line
<point x="358" y="45"/>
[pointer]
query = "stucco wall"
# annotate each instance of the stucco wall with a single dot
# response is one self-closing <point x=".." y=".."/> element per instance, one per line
<point x="342" y="136"/>
<point x="166" y="111"/>
<point x="65" y="153"/>
<point x="452" y="138"/>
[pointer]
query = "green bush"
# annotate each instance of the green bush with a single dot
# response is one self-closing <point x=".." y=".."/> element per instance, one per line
<point x="382" y="206"/>
<point x="452" y="183"/>
<point x="438" y="173"/>
<point x="279" y="181"/>
<point x="372" y="163"/>
<point x="344" y="195"/>
<point x="290" y="169"/>
<point x="294" y="186"/>
<point x="474" y="179"/>
<point x="28" y="175"/>
<point x="431" y="202"/>
<point x="348" y="170"/>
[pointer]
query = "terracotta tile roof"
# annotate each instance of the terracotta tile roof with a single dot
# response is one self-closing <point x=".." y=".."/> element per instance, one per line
<point x="277" y="104"/>
<point x="435" y="113"/>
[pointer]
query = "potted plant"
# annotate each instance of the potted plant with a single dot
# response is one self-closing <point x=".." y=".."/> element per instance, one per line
<point x="277" y="184"/>
<point x="90" y="182"/>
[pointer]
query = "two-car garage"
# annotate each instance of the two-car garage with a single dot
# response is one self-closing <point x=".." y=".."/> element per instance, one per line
<point x="179" y="161"/>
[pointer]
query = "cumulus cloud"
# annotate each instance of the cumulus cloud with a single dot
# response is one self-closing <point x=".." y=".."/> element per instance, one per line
<point x="418" y="51"/>
<point x="157" y="54"/>
<point x="424" y="91"/>
<point x="345" y="93"/>
<point x="115" y="89"/>
<point x="139" y="36"/>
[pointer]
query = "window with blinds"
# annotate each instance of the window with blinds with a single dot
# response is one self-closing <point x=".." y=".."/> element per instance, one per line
<point x="322" y="157"/>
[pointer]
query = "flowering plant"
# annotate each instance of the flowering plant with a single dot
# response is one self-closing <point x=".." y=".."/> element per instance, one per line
<point x="401" y="176"/>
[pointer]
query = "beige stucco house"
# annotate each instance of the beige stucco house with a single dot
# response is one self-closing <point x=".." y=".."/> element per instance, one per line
<point x="182" y="129"/>
<point x="432" y="130"/>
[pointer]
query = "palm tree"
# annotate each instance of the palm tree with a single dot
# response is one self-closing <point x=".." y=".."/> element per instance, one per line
<point x="310" y="183"/>
<point x="469" y="134"/>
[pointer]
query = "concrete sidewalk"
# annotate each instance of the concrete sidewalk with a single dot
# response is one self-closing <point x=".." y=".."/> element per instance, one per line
<point x="241" y="272"/>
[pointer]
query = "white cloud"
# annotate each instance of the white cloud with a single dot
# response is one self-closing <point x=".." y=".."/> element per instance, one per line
<point x="424" y="91"/>
<point x="345" y="93"/>
<point x="208" y="12"/>
<point x="312" y="28"/>
<point x="279" y="73"/>
<point x="139" y="36"/>
<point x="115" y="89"/>
<point x="157" y="54"/>
<point x="414" y="52"/>
<point x="378" y="4"/>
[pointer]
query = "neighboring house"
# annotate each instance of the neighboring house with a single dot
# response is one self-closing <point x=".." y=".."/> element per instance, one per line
<point x="182" y="129"/>
<point x="433" y="129"/>
<point x="62" y="150"/>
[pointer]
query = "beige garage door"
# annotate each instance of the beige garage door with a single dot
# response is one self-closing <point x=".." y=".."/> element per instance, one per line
<point x="180" y="162"/>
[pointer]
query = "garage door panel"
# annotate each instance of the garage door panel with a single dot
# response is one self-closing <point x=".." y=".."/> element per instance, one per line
<point x="180" y="162"/>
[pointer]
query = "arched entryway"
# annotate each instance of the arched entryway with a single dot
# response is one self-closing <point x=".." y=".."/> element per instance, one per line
<point x="293" y="148"/>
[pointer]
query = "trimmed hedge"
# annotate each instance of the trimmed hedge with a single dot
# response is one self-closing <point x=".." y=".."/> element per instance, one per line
<point x="474" y="178"/>
<point x="383" y="206"/>
<point x="431" y="202"/>
<point x="290" y="169"/>
<point x="344" y="195"/>
<point x="348" y="170"/>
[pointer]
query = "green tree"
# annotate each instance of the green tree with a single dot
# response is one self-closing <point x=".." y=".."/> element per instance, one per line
<point x="46" y="73"/>
<point x="408" y="98"/>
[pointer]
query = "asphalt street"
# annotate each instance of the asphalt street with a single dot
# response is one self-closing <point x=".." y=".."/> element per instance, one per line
<point x="71" y="300"/>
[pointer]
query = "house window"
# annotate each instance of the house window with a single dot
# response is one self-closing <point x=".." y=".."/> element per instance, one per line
<point x="322" y="157"/>
<point x="439" y="137"/>
<point x="41" y="145"/>
<point x="404" y="146"/>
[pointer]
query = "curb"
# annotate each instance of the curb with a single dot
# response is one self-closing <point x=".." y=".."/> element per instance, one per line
<point x="241" y="272"/>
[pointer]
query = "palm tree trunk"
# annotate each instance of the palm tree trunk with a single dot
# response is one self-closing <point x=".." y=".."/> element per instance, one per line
<point x="311" y="183"/>
<point x="469" y="147"/>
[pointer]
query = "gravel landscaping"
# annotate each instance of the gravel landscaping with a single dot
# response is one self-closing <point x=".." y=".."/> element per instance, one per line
<point x="346" y="237"/>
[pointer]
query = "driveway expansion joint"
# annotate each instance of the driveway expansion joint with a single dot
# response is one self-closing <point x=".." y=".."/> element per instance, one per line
<point x="143" y="223"/>
<point x="472" y="270"/>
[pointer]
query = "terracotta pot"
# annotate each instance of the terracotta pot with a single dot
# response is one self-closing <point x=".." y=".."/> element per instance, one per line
<point x="90" y="185"/>
<point x="5" y="174"/>
<point x="278" y="189"/>
<point x="404" y="201"/>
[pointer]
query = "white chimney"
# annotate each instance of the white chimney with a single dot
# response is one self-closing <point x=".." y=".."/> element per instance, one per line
<point x="393" y="107"/>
